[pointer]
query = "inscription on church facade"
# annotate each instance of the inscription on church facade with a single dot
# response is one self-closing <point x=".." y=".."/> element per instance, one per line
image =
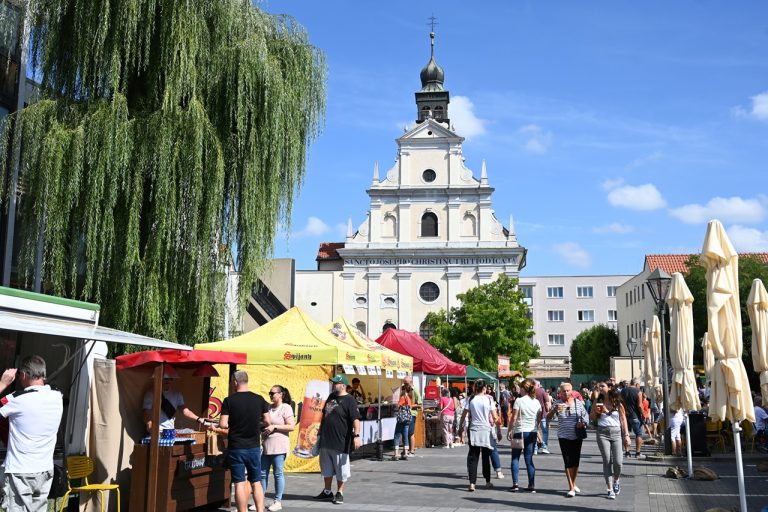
<point x="429" y="262"/>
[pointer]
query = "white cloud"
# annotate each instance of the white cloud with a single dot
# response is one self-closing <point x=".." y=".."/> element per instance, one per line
<point x="611" y="184"/>
<point x="573" y="254"/>
<point x="614" y="227"/>
<point x="462" y="114"/>
<point x="537" y="140"/>
<point x="726" y="209"/>
<point x="759" y="109"/>
<point x="746" y="239"/>
<point x="314" y="228"/>
<point x="641" y="197"/>
<point x="639" y="162"/>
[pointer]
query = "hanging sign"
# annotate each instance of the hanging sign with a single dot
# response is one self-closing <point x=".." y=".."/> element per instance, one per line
<point x="503" y="367"/>
<point x="390" y="374"/>
<point x="348" y="368"/>
<point x="361" y="370"/>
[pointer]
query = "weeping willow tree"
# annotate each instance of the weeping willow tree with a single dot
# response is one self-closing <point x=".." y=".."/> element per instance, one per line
<point x="171" y="135"/>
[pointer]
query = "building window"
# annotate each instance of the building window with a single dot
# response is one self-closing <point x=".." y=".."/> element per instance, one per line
<point x="555" y="292"/>
<point x="628" y="336"/>
<point x="361" y="301"/>
<point x="429" y="224"/>
<point x="389" y="301"/>
<point x="527" y="291"/>
<point x="557" y="339"/>
<point x="586" y="315"/>
<point x="428" y="176"/>
<point x="584" y="292"/>
<point x="361" y="327"/>
<point x="613" y="315"/>
<point x="555" y="315"/>
<point x="388" y="325"/>
<point x="611" y="291"/>
<point x="626" y="299"/>
<point x="429" y="292"/>
<point x="642" y="289"/>
<point x="425" y="331"/>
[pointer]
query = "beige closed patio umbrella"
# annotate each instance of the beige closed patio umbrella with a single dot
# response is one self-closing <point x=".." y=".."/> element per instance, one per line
<point x="649" y="367"/>
<point x="683" y="394"/>
<point x="757" y="305"/>
<point x="731" y="398"/>
<point x="653" y="357"/>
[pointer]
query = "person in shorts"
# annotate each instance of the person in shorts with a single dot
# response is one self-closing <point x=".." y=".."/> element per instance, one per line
<point x="339" y="432"/>
<point x="242" y="415"/>
<point x="34" y="414"/>
<point x="675" y="425"/>
<point x="632" y="397"/>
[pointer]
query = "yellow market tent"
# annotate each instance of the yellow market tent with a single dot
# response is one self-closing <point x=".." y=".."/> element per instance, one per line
<point x="299" y="354"/>
<point x="350" y="335"/>
<point x="293" y="338"/>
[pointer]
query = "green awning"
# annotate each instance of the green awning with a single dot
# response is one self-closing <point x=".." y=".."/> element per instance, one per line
<point x="474" y="374"/>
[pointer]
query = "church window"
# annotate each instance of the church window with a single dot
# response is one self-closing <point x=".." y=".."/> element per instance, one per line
<point x="468" y="225"/>
<point x="429" y="176"/>
<point x="429" y="292"/>
<point x="388" y="325"/>
<point x="361" y="301"/>
<point x="426" y="331"/>
<point x="389" y="227"/>
<point x="361" y="327"/>
<point x="388" y="301"/>
<point x="429" y="224"/>
<point x="438" y="112"/>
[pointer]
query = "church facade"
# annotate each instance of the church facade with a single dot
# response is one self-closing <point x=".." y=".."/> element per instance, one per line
<point x="430" y="233"/>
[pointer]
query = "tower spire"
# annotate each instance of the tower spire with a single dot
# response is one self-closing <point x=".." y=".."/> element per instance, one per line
<point x="432" y="100"/>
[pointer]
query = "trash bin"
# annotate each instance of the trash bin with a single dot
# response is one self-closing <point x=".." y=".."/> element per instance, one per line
<point x="698" y="439"/>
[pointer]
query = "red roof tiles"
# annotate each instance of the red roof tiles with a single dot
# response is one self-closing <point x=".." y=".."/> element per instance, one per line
<point x="328" y="251"/>
<point x="671" y="263"/>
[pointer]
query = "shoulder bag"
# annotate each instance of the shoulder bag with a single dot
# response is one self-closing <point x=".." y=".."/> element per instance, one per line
<point x="581" y="426"/>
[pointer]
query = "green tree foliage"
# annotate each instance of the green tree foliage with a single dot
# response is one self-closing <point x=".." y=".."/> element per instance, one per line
<point x="750" y="268"/>
<point x="492" y="320"/>
<point x="592" y="349"/>
<point x="171" y="135"/>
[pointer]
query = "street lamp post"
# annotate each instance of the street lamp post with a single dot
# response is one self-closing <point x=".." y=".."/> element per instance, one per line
<point x="658" y="284"/>
<point x="632" y="346"/>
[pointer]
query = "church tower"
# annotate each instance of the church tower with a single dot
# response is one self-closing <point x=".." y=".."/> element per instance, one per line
<point x="432" y="100"/>
<point x="430" y="233"/>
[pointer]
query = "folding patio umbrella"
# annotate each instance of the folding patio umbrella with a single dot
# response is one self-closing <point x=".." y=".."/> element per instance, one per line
<point x="757" y="305"/>
<point x="683" y="394"/>
<point x="651" y="349"/>
<point x="731" y="397"/>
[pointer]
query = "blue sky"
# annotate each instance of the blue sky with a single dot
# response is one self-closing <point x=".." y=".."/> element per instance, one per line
<point x="611" y="130"/>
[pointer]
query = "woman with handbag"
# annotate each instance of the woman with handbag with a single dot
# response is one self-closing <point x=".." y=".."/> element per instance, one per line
<point x="526" y="417"/>
<point x="480" y="409"/>
<point x="612" y="435"/>
<point x="571" y="431"/>
<point x="447" y="417"/>
<point x="403" y="424"/>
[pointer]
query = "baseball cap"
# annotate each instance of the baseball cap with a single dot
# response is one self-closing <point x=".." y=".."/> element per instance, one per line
<point x="340" y="379"/>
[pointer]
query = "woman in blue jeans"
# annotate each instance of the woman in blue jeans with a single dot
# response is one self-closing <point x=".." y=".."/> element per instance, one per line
<point x="275" y="444"/>
<point x="402" y="428"/>
<point x="526" y="416"/>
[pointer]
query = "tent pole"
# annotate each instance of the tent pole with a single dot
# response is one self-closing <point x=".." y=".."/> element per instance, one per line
<point x="379" y="442"/>
<point x="739" y="465"/>
<point x="688" y="443"/>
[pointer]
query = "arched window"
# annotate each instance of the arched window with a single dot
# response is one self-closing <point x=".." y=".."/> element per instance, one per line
<point x="425" y="331"/>
<point x="389" y="226"/>
<point x="429" y="224"/>
<point x="468" y="225"/>
<point x="361" y="327"/>
<point x="388" y="325"/>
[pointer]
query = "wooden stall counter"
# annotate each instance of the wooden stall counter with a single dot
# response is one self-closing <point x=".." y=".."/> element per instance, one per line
<point x="186" y="478"/>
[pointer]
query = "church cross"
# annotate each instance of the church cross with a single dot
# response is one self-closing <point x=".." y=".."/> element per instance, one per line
<point x="432" y="22"/>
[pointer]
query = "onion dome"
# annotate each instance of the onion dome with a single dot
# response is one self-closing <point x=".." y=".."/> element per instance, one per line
<point x="432" y="75"/>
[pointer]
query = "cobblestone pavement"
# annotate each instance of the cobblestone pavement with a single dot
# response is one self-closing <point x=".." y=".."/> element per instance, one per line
<point x="435" y="480"/>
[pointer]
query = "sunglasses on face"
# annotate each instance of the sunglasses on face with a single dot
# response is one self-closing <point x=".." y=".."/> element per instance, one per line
<point x="271" y="393"/>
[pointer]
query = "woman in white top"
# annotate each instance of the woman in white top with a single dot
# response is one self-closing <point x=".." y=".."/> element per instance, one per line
<point x="675" y="424"/>
<point x="526" y="416"/>
<point x="482" y="413"/>
<point x="275" y="444"/>
<point x="612" y="435"/>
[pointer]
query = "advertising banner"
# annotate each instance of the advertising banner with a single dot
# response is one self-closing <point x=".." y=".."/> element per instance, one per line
<point x="308" y="386"/>
<point x="503" y="367"/>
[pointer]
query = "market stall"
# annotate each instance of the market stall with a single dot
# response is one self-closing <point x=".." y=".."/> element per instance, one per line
<point x="297" y="353"/>
<point x="376" y="406"/>
<point x="182" y="473"/>
<point x="67" y="334"/>
<point x="427" y="360"/>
